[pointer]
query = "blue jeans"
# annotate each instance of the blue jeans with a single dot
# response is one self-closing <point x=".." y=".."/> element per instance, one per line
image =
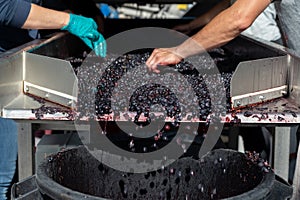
<point x="8" y="154"/>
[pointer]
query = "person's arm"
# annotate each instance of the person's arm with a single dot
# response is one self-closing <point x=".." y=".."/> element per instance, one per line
<point x="21" y="14"/>
<point x="82" y="27"/>
<point x="223" y="28"/>
<point x="229" y="24"/>
<point x="204" y="19"/>
<point x="43" y="18"/>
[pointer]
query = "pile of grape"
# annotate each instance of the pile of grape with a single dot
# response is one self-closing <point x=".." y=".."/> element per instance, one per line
<point x="104" y="85"/>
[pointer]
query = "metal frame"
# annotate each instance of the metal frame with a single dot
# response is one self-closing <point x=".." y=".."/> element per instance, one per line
<point x="26" y="147"/>
<point x="14" y="100"/>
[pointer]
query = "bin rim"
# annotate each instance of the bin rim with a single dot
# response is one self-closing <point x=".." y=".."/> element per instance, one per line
<point x="55" y="190"/>
<point x="261" y="191"/>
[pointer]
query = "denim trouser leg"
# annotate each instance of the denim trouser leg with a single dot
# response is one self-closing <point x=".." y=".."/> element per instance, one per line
<point x="8" y="156"/>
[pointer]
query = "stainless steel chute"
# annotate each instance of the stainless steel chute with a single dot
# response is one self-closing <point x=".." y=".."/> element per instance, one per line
<point x="269" y="80"/>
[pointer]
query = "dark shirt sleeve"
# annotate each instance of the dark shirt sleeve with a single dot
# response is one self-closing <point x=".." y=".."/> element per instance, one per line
<point x="14" y="12"/>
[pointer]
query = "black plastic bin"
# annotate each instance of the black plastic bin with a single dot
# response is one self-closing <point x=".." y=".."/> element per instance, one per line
<point x="221" y="174"/>
<point x="26" y="190"/>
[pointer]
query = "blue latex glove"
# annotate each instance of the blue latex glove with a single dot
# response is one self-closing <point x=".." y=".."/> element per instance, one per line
<point x="86" y="29"/>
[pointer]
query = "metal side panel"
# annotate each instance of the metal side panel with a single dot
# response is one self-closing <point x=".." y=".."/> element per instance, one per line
<point x="50" y="78"/>
<point x="11" y="72"/>
<point x="259" y="80"/>
<point x="295" y="80"/>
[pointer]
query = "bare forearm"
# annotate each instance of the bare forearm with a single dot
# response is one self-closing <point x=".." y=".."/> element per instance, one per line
<point x="224" y="27"/>
<point x="43" y="18"/>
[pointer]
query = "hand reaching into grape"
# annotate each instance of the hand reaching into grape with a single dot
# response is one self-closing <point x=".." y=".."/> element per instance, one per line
<point x="163" y="56"/>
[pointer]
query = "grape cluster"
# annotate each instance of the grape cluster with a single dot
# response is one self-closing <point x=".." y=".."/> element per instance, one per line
<point x="261" y="163"/>
<point x="50" y="109"/>
<point x="152" y="94"/>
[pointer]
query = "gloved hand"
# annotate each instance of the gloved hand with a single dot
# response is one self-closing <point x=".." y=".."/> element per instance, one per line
<point x="86" y="29"/>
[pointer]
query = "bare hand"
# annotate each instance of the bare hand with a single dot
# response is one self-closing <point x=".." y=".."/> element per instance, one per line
<point x="163" y="56"/>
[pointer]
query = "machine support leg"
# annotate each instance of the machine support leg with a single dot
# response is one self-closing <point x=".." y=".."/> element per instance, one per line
<point x="282" y="151"/>
<point x="233" y="138"/>
<point x="296" y="180"/>
<point x="25" y="150"/>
